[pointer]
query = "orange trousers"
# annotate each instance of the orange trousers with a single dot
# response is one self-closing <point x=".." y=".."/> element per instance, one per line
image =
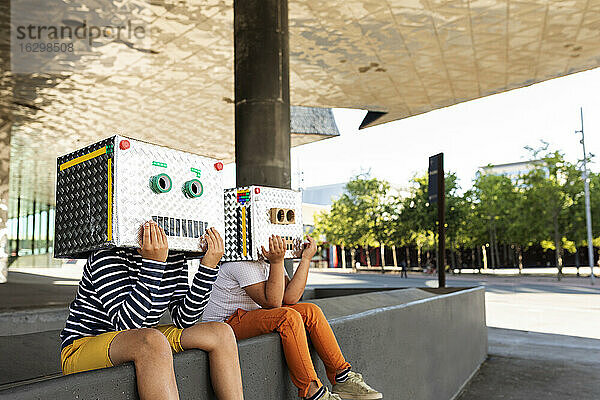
<point x="292" y="322"/>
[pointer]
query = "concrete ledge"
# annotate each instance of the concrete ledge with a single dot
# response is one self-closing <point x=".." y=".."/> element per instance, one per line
<point x="22" y="322"/>
<point x="41" y="319"/>
<point x="314" y="293"/>
<point x="38" y="351"/>
<point x="407" y="343"/>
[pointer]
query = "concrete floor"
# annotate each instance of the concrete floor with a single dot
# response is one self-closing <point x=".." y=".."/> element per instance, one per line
<point x="503" y="378"/>
<point x="29" y="291"/>
<point x="543" y="338"/>
<point x="528" y="303"/>
<point x="531" y="366"/>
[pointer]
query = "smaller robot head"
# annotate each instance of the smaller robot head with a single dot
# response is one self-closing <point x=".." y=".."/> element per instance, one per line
<point x="254" y="213"/>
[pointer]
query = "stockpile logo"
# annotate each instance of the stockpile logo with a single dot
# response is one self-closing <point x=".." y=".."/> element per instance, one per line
<point x="57" y="36"/>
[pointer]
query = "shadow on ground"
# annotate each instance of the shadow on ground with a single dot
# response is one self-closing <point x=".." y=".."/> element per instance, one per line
<point x="25" y="291"/>
<point x="531" y="366"/>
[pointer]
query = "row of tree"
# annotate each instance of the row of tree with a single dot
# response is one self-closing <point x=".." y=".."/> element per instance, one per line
<point x="544" y="205"/>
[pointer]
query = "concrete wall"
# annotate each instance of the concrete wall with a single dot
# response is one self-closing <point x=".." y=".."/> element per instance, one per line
<point x="409" y="343"/>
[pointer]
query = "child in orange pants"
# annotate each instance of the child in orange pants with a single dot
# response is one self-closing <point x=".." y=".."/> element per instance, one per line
<point x="255" y="297"/>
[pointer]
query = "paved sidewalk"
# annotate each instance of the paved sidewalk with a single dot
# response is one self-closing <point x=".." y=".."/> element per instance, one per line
<point x="531" y="366"/>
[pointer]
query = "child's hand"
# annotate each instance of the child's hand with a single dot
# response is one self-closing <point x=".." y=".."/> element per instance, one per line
<point x="310" y="249"/>
<point x="215" y="248"/>
<point x="276" y="251"/>
<point x="154" y="244"/>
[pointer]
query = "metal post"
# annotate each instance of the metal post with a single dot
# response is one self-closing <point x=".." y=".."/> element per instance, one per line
<point x="262" y="93"/>
<point x="441" y="222"/>
<point x="17" y="239"/>
<point x="33" y="229"/>
<point x="437" y="194"/>
<point x="588" y="212"/>
<point x="48" y="229"/>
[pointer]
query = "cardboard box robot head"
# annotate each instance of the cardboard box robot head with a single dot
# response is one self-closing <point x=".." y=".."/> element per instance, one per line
<point x="106" y="191"/>
<point x="254" y="213"/>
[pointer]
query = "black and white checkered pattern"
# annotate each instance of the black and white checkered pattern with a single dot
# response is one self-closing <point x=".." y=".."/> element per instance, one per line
<point x="233" y="228"/>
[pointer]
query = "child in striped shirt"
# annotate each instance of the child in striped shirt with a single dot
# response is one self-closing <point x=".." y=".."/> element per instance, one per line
<point x="121" y="298"/>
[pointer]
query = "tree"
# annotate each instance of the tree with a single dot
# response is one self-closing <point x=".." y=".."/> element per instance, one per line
<point x="416" y="223"/>
<point x="338" y="227"/>
<point x="543" y="206"/>
<point x="520" y="229"/>
<point x="359" y="217"/>
<point x="457" y="209"/>
<point x="368" y="196"/>
<point x="494" y="197"/>
<point x="548" y="198"/>
<point x="416" y="220"/>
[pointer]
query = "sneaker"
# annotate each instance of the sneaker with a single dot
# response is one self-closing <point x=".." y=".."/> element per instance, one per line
<point x="329" y="396"/>
<point x="355" y="388"/>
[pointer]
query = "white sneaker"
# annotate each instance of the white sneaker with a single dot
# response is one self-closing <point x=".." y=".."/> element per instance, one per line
<point x="328" y="395"/>
<point x="355" y="388"/>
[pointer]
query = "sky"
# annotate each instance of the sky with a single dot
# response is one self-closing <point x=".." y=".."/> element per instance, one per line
<point x="490" y="130"/>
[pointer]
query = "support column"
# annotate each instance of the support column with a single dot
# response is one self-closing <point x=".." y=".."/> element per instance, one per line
<point x="6" y="104"/>
<point x="262" y="93"/>
<point x="4" y="176"/>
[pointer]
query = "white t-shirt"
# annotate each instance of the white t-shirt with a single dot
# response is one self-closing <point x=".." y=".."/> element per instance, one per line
<point x="228" y="292"/>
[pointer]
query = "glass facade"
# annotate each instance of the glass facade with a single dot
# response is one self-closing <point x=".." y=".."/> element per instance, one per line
<point x="30" y="227"/>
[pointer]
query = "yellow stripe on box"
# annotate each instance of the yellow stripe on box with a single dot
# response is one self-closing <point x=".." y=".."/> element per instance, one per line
<point x="245" y="251"/>
<point x="83" y="158"/>
<point x="109" y="200"/>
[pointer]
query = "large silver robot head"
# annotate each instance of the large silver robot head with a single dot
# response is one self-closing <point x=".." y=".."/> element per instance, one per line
<point x="106" y="191"/>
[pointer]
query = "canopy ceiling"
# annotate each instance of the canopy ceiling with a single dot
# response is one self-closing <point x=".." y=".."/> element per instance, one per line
<point x="396" y="58"/>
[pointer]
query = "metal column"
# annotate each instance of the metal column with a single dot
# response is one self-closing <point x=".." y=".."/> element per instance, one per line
<point x="262" y="93"/>
<point x="48" y="230"/>
<point x="4" y="176"/>
<point x="6" y="104"/>
<point x="588" y="213"/>
<point x="437" y="194"/>
<point x="441" y="223"/>
<point x="33" y="228"/>
<point x="18" y="233"/>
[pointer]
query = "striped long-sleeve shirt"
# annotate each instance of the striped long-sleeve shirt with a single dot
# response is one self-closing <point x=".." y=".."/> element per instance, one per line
<point x="120" y="290"/>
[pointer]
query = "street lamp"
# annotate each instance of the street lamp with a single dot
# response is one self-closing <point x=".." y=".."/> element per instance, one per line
<point x="588" y="212"/>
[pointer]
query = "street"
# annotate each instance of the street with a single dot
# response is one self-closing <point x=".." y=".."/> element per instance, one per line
<point x="528" y="303"/>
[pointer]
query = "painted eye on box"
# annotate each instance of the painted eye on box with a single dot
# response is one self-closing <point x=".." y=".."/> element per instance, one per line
<point x="290" y="217"/>
<point x="160" y="183"/>
<point x="193" y="188"/>
<point x="282" y="216"/>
